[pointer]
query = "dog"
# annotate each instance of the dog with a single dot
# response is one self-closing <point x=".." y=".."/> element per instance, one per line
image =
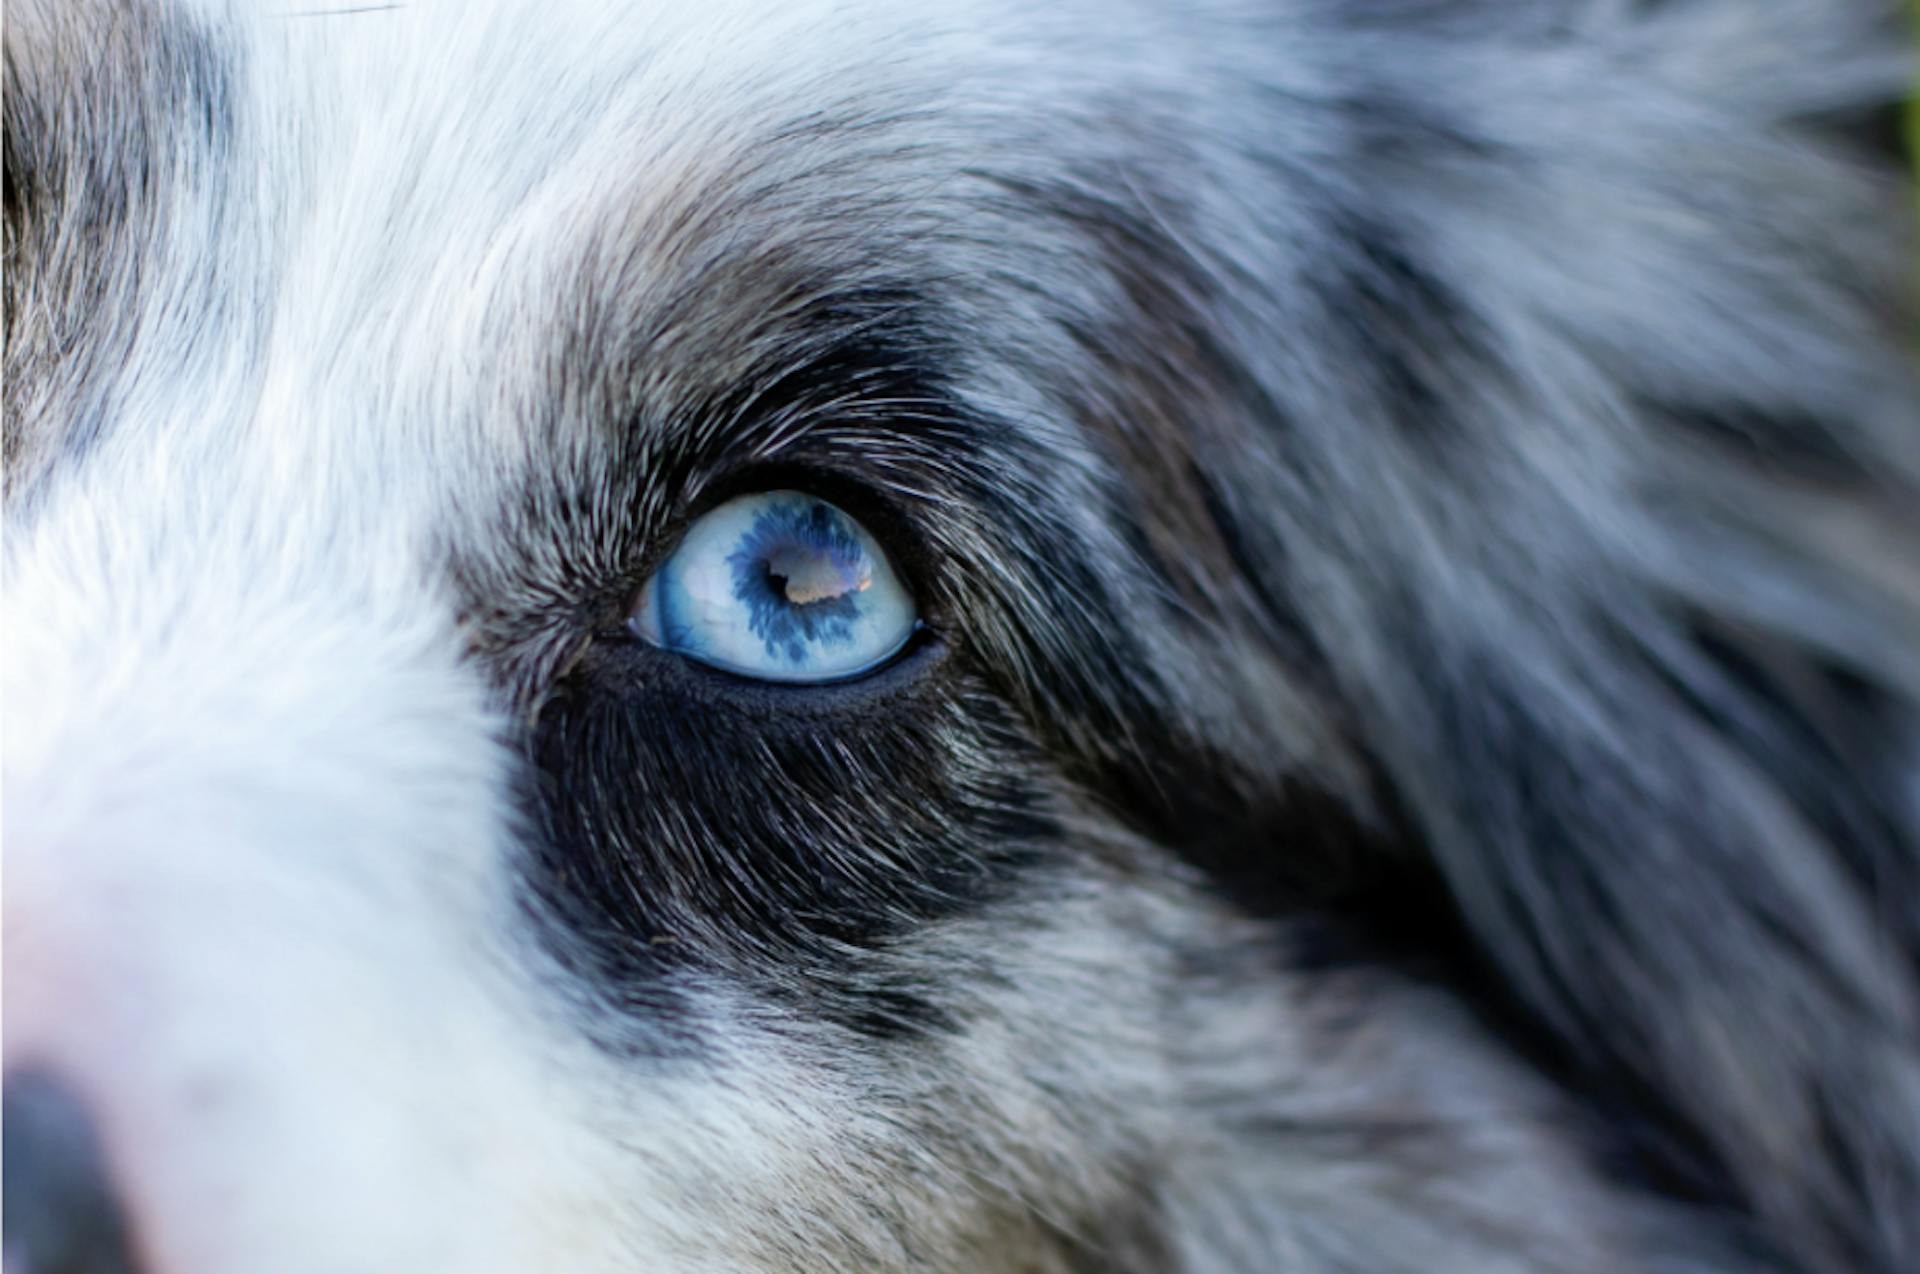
<point x="1258" y="635"/>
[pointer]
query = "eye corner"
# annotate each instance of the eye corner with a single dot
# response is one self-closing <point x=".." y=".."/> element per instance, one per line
<point x="642" y="620"/>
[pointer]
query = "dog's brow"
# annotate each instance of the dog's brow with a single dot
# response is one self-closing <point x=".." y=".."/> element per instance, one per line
<point x="738" y="313"/>
<point x="109" y="110"/>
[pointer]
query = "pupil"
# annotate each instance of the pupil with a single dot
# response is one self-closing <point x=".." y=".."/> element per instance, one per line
<point x="802" y="576"/>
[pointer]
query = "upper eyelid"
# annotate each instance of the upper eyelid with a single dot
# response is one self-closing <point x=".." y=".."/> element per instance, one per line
<point x="869" y="500"/>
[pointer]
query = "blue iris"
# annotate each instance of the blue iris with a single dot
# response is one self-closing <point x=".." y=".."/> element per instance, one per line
<point x="761" y="580"/>
<point x="780" y="586"/>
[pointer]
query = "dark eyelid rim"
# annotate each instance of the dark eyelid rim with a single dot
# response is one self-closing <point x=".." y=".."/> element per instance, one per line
<point x="624" y="664"/>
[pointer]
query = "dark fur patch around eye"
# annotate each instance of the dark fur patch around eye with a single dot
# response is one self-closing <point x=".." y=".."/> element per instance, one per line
<point x="779" y="837"/>
<point x="689" y="819"/>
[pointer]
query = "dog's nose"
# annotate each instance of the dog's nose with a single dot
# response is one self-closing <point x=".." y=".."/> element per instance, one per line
<point x="61" y="1216"/>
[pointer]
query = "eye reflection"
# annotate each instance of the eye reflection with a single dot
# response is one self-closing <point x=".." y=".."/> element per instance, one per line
<point x="781" y="586"/>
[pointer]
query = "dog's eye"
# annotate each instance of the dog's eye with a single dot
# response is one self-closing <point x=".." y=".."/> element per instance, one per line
<point x="779" y="586"/>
